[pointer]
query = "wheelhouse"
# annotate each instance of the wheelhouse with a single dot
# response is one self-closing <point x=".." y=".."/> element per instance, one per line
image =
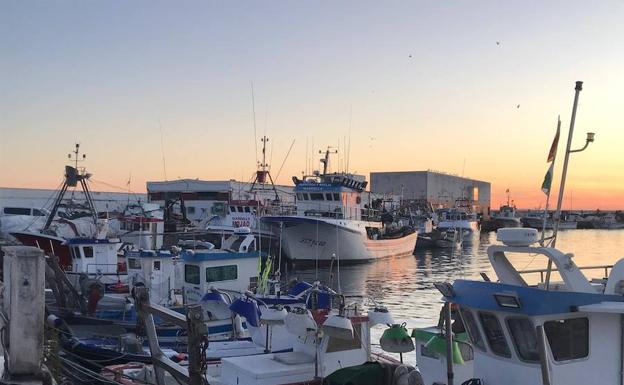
<point x="564" y="331"/>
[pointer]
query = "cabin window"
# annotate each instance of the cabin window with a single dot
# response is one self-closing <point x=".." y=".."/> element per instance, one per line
<point x="524" y="338"/>
<point x="156" y="265"/>
<point x="305" y="197"/>
<point x="316" y="196"/>
<point x="494" y="334"/>
<point x="38" y="213"/>
<point x="134" y="264"/>
<point x="339" y="345"/>
<point x="87" y="251"/>
<point x="145" y="226"/>
<point x="190" y="210"/>
<point x="329" y="197"/>
<point x="473" y="329"/>
<point x="232" y="209"/>
<point x="221" y="273"/>
<point x="191" y="274"/>
<point x="239" y="209"/>
<point x="16" y="211"/>
<point x="336" y="196"/>
<point x="568" y="338"/>
<point x="247" y="209"/>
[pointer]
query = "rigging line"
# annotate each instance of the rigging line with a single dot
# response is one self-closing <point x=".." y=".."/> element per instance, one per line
<point x="349" y="146"/>
<point x="45" y="205"/>
<point x="338" y="258"/>
<point x="253" y="109"/>
<point x="285" y="158"/>
<point x="317" y="252"/>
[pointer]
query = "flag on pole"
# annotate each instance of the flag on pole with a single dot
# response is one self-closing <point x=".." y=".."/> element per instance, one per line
<point x="548" y="179"/>
<point x="555" y="143"/>
<point x="552" y="154"/>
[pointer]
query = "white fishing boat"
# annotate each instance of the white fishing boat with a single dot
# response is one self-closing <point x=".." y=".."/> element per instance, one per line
<point x="506" y="217"/>
<point x="554" y="331"/>
<point x="535" y="220"/>
<point x="460" y="223"/>
<point x="333" y="223"/>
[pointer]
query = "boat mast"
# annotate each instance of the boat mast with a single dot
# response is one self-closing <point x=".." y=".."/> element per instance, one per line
<point x="325" y="159"/>
<point x="263" y="172"/>
<point x="72" y="176"/>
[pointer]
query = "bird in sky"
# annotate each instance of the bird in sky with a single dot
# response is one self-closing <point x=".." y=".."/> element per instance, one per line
<point x="518" y="106"/>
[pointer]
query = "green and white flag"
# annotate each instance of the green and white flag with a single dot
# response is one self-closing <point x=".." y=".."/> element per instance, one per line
<point x="552" y="154"/>
<point x="548" y="179"/>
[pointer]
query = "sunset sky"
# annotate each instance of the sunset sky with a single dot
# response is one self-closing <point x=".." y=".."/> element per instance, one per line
<point x="423" y="85"/>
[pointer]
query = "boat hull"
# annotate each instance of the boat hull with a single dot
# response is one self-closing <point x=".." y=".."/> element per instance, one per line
<point x="312" y="239"/>
<point x="50" y="244"/>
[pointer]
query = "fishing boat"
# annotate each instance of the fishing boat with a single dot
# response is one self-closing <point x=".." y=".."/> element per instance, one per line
<point x="506" y="217"/>
<point x="321" y="343"/>
<point x="535" y="220"/>
<point x="333" y="223"/>
<point x="556" y="331"/>
<point x="459" y="223"/>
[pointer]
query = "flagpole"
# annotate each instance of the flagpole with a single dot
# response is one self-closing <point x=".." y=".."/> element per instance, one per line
<point x="548" y="195"/>
<point x="557" y="216"/>
<point x="577" y="89"/>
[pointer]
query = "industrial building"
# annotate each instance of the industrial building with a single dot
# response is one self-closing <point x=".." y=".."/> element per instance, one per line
<point x="20" y="200"/>
<point x="440" y="189"/>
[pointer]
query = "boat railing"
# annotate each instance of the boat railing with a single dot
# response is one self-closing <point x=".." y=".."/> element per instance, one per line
<point x="543" y="271"/>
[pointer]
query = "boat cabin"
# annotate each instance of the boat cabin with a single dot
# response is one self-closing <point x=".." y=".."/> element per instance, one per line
<point x="567" y="332"/>
<point x="154" y="269"/>
<point x="336" y="195"/>
<point x="93" y="256"/>
<point x="232" y="267"/>
<point x="244" y="213"/>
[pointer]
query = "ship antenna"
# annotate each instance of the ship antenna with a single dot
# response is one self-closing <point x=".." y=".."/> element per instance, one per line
<point x="162" y="149"/>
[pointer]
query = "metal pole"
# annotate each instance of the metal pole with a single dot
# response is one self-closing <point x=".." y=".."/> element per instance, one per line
<point x="196" y="335"/>
<point x="449" y="343"/>
<point x="543" y="354"/>
<point x="557" y="217"/>
<point x="577" y="89"/>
